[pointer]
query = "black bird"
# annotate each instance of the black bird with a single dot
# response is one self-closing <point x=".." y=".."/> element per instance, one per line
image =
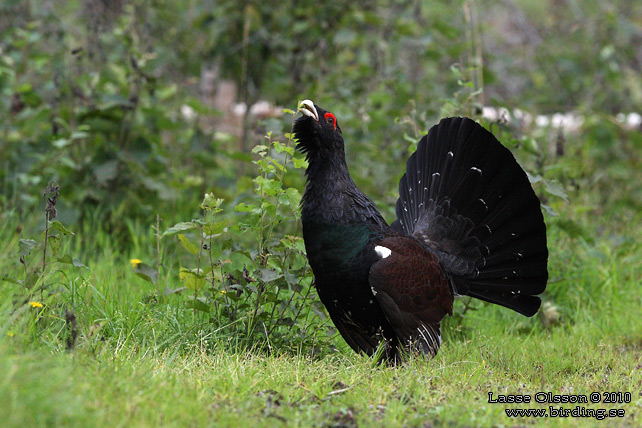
<point x="468" y="223"/>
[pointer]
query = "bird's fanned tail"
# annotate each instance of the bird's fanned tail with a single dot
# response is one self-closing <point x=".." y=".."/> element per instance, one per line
<point x="465" y="196"/>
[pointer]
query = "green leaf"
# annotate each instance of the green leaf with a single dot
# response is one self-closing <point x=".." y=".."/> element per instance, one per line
<point x="200" y="304"/>
<point x="530" y="145"/>
<point x="53" y="241"/>
<point x="61" y="143"/>
<point x="268" y="275"/>
<point x="299" y="163"/>
<point x="192" y="280"/>
<point x="534" y="178"/>
<point x="260" y="149"/>
<point x="408" y="138"/>
<point x="211" y="202"/>
<point x="555" y="188"/>
<point x="106" y="171"/>
<point x="187" y="244"/>
<point x="166" y="92"/>
<point x="550" y="211"/>
<point x="294" y="196"/>
<point x="244" y="208"/>
<point x="11" y="280"/>
<point x="25" y="246"/>
<point x="215" y="228"/>
<point x="59" y="226"/>
<point x="268" y="185"/>
<point x="280" y="147"/>
<point x="288" y="111"/>
<point x="178" y="290"/>
<point x="146" y="272"/>
<point x="181" y="227"/>
<point x="67" y="259"/>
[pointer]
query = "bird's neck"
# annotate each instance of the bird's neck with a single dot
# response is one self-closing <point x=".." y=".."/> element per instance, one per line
<point x="328" y="166"/>
<point x="329" y="187"/>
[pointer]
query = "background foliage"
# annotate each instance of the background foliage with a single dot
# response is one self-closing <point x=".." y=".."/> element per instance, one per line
<point x="166" y="127"/>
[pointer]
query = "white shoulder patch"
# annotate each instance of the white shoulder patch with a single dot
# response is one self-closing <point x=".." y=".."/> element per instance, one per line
<point x="383" y="252"/>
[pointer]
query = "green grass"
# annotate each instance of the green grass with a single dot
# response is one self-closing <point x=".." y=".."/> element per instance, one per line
<point x="144" y="362"/>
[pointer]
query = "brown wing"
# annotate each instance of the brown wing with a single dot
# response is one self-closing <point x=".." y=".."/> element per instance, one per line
<point x="412" y="290"/>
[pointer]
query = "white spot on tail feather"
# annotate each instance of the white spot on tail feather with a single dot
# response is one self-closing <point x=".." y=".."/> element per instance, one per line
<point x="383" y="252"/>
<point x="374" y="292"/>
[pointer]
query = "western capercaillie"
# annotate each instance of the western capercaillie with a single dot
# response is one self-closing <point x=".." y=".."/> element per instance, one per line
<point x="468" y="223"/>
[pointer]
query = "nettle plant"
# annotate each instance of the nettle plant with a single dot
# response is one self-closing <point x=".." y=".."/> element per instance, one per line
<point x="46" y="290"/>
<point x="262" y="291"/>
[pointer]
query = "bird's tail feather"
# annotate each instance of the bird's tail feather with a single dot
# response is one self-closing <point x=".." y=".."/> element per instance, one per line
<point x="465" y="196"/>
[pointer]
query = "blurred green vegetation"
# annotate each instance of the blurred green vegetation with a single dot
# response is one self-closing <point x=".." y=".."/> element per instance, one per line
<point x="92" y="92"/>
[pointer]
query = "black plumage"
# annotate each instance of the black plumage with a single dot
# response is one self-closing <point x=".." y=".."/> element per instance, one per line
<point x="468" y="223"/>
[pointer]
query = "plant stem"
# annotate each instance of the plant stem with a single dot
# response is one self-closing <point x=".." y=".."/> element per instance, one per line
<point x="158" y="257"/>
<point x="44" y="251"/>
<point x="198" y="268"/>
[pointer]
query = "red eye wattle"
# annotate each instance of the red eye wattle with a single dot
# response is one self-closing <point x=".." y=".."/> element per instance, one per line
<point x="329" y="118"/>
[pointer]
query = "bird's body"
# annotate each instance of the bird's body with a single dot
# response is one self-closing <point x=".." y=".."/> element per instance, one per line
<point x="392" y="284"/>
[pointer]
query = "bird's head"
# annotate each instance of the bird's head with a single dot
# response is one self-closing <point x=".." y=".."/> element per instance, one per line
<point x="317" y="130"/>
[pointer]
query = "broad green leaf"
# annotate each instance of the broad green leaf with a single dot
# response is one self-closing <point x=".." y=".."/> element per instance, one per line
<point x="280" y="147"/>
<point x="534" y="178"/>
<point x="181" y="227"/>
<point x="178" y="290"/>
<point x="11" y="280"/>
<point x="268" y="275"/>
<point x="294" y="196"/>
<point x="67" y="259"/>
<point x="299" y="162"/>
<point x="200" y="304"/>
<point x="25" y="246"/>
<point x="215" y="228"/>
<point x="53" y="242"/>
<point x="244" y="208"/>
<point x="146" y="272"/>
<point x="187" y="244"/>
<point x="555" y="188"/>
<point x="60" y="227"/>
<point x="191" y="279"/>
<point x="260" y="148"/>
<point x="530" y="145"/>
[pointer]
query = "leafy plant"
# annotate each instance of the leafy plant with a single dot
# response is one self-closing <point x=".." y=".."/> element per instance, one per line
<point x="264" y="293"/>
<point x="37" y="287"/>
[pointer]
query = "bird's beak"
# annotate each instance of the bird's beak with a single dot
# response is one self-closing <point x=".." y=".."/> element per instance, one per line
<point x="307" y="108"/>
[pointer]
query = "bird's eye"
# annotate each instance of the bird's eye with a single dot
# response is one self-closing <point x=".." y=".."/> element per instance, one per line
<point x="329" y="118"/>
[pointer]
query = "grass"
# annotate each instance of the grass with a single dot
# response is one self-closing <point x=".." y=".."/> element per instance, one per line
<point x="143" y="363"/>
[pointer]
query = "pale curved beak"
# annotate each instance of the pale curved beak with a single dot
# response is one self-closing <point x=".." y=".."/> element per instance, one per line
<point x="307" y="108"/>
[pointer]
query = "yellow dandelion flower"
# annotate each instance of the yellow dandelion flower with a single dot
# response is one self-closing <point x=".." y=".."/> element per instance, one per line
<point x="36" y="304"/>
<point x="10" y="333"/>
<point x="135" y="262"/>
